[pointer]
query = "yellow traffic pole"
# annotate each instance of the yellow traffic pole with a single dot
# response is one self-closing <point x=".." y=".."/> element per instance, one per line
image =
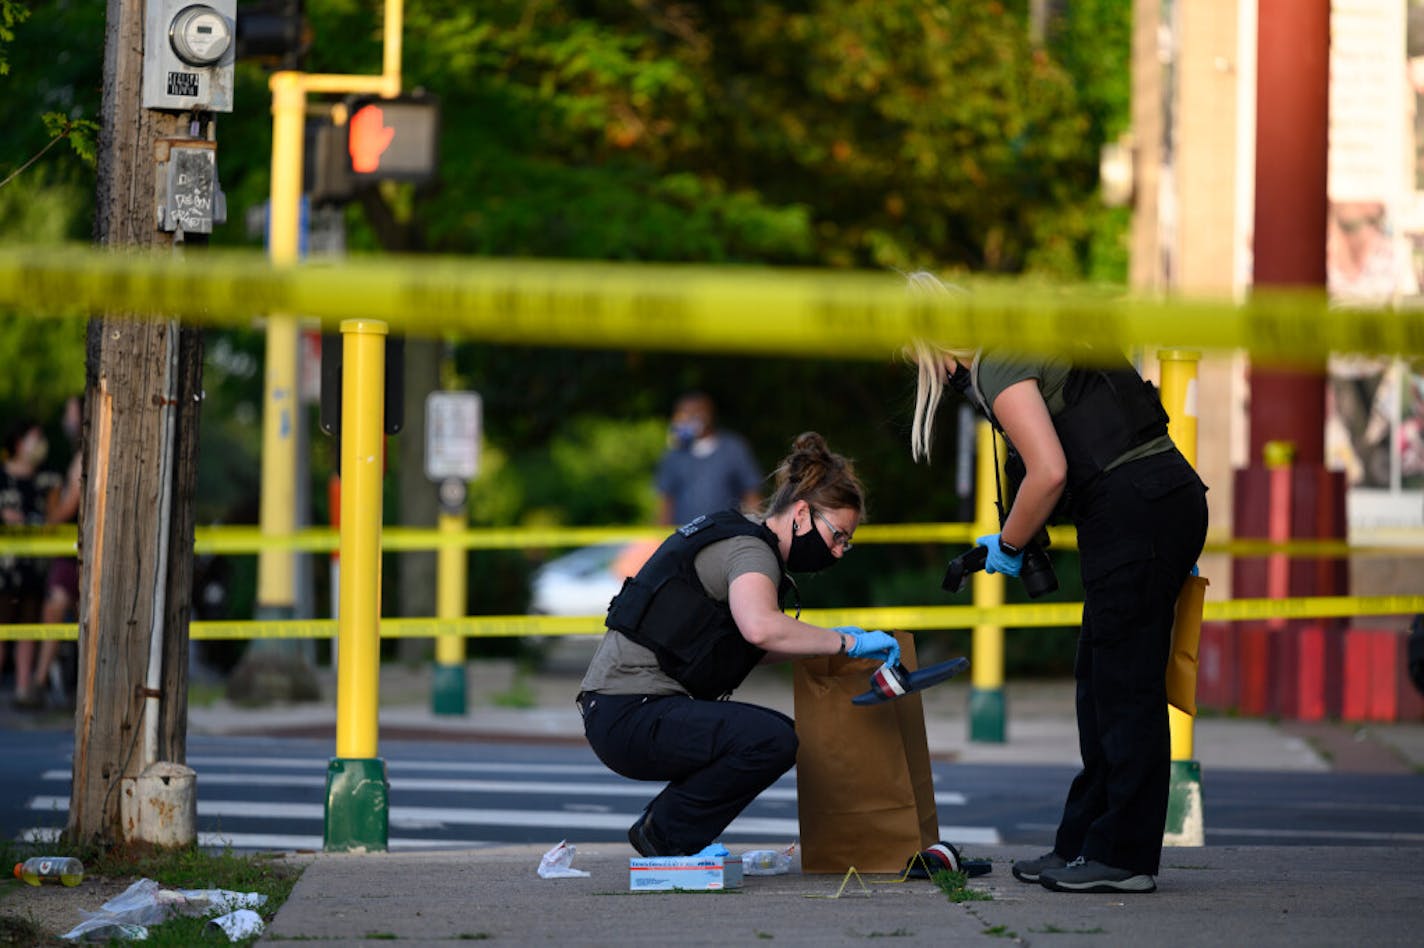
<point x="277" y="514"/>
<point x="986" y="695"/>
<point x="357" y="791"/>
<point x="1179" y="398"/>
<point x="448" y="694"/>
<point x="1185" y="826"/>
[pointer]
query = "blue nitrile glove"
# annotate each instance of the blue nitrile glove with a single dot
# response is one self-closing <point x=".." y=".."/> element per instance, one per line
<point x="877" y="644"/>
<point x="999" y="561"/>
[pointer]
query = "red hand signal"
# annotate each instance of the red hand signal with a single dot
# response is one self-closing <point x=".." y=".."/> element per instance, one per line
<point x="368" y="139"/>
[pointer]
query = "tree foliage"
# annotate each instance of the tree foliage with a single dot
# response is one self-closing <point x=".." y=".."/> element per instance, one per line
<point x="883" y="134"/>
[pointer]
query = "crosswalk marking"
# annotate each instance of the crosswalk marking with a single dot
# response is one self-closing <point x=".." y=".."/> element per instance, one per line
<point x="430" y="817"/>
<point x="778" y="794"/>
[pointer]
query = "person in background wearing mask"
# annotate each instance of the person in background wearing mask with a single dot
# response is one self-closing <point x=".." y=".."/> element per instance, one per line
<point x="704" y="469"/>
<point x="22" y="504"/>
<point x="687" y="630"/>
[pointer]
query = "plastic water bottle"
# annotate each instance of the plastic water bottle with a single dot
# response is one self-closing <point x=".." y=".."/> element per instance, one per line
<point x="66" y="870"/>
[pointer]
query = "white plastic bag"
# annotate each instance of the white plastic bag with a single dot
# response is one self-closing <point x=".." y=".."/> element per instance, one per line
<point x="557" y="863"/>
<point x="145" y="903"/>
<point x="244" y="923"/>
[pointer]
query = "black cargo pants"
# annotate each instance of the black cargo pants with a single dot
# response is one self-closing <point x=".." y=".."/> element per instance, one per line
<point x="1141" y="528"/>
<point x="716" y="756"/>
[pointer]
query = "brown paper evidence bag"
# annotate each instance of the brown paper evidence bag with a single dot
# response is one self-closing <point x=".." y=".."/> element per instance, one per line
<point x="864" y="791"/>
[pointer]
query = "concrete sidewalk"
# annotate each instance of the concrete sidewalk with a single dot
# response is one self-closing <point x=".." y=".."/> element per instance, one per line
<point x="1288" y="896"/>
<point x="1296" y="897"/>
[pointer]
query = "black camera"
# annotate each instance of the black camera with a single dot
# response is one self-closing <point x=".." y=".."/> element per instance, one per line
<point x="1037" y="574"/>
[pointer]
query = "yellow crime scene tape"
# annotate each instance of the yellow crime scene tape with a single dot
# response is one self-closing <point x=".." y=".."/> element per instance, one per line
<point x="908" y="618"/>
<point x="853" y="315"/>
<point x="237" y="540"/>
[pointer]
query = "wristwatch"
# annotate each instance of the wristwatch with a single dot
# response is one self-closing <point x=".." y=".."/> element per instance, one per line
<point x="842" y="637"/>
<point x="1008" y="548"/>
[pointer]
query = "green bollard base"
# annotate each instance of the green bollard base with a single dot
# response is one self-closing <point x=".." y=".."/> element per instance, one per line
<point x="1184" y="806"/>
<point x="986" y="715"/>
<point x="357" y="805"/>
<point x="447" y="695"/>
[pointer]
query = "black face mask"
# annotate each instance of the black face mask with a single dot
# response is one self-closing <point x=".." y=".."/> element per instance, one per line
<point x="809" y="552"/>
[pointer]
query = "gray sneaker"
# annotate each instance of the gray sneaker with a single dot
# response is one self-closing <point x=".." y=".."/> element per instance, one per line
<point x="1028" y="870"/>
<point x="1082" y="875"/>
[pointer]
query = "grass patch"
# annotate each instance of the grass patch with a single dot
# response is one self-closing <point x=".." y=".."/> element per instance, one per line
<point x="1001" y="931"/>
<point x="1055" y="930"/>
<point x="897" y="933"/>
<point x="188" y="868"/>
<point x="955" y="886"/>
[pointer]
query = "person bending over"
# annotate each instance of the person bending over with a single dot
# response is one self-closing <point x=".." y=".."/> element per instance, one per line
<point x="1093" y="440"/>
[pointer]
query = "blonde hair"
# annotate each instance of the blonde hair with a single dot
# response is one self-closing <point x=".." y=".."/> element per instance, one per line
<point x="929" y="358"/>
<point x="814" y="473"/>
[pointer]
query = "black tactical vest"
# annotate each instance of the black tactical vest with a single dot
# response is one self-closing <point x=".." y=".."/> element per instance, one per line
<point x="1107" y="412"/>
<point x="665" y="608"/>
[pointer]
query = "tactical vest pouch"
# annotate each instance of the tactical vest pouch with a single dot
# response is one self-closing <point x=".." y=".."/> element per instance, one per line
<point x="697" y="643"/>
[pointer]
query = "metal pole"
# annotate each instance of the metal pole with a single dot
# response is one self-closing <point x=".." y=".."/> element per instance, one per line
<point x="357" y="791"/>
<point x="1179" y="397"/>
<point x="448" y="694"/>
<point x="1185" y="822"/>
<point x="986" y="694"/>
<point x="277" y="514"/>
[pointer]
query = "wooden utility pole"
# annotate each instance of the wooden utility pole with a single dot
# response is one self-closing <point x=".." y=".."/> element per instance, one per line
<point x="143" y="383"/>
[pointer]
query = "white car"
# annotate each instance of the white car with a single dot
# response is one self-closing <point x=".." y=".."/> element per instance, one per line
<point x="579" y="583"/>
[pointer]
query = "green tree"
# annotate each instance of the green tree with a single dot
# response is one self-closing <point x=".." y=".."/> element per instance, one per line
<point x="885" y="134"/>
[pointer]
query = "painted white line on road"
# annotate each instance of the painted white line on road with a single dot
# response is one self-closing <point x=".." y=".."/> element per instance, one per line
<point x="440" y="766"/>
<point x="1221" y="834"/>
<point x="426" y="817"/>
<point x="286" y="842"/>
<point x="435" y="785"/>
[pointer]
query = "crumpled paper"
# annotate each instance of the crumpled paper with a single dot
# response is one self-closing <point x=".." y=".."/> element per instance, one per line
<point x="145" y="903"/>
<point x="557" y="863"/>
<point x="244" y="923"/>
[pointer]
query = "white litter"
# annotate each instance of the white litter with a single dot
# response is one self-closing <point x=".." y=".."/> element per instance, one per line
<point x="557" y="863"/>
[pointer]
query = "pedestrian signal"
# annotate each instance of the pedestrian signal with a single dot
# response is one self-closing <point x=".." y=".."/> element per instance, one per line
<point x="393" y="139"/>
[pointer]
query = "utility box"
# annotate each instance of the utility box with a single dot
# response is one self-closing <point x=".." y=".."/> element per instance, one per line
<point x="188" y="55"/>
<point x="189" y="198"/>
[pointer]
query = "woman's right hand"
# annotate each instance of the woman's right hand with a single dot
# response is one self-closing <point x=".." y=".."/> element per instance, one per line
<point x="877" y="644"/>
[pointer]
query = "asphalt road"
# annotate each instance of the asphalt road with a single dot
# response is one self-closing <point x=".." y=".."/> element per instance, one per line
<point x="268" y="793"/>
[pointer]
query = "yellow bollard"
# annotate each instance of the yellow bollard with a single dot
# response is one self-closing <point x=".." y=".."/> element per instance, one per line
<point x="1185" y="825"/>
<point x="1179" y="397"/>
<point x="448" y="691"/>
<point x="362" y="462"/>
<point x="986" y="696"/>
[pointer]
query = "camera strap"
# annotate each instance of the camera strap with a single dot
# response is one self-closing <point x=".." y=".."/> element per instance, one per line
<point x="998" y="483"/>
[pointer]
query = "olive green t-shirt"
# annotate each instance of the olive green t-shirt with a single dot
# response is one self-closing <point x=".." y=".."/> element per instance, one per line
<point x="623" y="667"/>
<point x="995" y="371"/>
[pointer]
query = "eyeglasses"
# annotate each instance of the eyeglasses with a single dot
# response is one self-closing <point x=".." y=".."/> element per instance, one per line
<point x="838" y="536"/>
